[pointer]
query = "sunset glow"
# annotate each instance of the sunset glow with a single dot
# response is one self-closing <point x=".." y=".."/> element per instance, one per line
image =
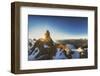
<point x="59" y="27"/>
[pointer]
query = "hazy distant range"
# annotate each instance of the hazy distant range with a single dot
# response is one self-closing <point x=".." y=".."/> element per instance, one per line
<point x="76" y="42"/>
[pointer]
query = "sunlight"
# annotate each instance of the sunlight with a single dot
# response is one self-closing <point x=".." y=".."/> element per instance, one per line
<point x="38" y="32"/>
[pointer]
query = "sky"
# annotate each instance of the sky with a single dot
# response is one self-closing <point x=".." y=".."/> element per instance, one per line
<point x="60" y="27"/>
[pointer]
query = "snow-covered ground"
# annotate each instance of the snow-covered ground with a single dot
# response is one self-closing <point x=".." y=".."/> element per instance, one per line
<point x="59" y="53"/>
